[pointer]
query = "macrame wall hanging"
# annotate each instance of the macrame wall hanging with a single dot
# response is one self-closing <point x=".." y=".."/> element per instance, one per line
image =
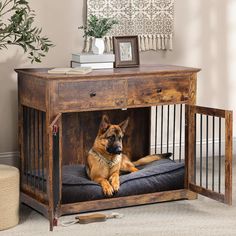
<point x="151" y="20"/>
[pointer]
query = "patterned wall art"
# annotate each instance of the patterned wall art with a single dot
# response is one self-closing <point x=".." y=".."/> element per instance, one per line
<point x="151" y="20"/>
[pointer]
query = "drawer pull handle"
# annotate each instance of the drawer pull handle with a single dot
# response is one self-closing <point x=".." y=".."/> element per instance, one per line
<point x="159" y="90"/>
<point x="92" y="94"/>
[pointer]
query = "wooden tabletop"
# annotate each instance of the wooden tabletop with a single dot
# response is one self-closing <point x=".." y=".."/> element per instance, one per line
<point x="142" y="70"/>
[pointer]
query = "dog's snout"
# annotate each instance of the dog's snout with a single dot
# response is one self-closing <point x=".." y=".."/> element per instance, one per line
<point x="118" y="150"/>
<point x="115" y="150"/>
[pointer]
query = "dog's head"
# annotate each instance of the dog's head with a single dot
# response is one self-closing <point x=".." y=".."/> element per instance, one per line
<point x="111" y="136"/>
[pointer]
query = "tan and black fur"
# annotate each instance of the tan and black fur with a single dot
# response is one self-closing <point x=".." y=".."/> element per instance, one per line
<point x="105" y="160"/>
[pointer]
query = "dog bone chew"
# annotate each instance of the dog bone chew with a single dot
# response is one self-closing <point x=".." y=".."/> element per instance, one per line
<point x="97" y="217"/>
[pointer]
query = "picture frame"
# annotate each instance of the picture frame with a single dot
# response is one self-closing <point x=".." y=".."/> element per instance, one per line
<point x="126" y="50"/>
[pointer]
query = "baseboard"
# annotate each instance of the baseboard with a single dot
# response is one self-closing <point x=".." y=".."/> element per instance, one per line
<point x="9" y="158"/>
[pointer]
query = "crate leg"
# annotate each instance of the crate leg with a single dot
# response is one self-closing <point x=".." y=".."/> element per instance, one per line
<point x="51" y="221"/>
<point x="192" y="195"/>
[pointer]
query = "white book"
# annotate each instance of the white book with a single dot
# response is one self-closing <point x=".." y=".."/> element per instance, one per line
<point x="71" y="71"/>
<point x="93" y="58"/>
<point x="102" y="65"/>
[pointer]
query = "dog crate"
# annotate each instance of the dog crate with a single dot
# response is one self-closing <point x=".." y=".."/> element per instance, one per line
<point x="57" y="132"/>
<point x="73" y="134"/>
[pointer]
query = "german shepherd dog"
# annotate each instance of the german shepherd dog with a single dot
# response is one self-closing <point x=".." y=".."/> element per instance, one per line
<point x="105" y="159"/>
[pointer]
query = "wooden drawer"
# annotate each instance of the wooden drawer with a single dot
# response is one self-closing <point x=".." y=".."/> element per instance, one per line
<point x="92" y="94"/>
<point x="157" y="90"/>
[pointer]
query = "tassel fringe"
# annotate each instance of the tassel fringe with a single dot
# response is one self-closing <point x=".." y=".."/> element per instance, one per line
<point x="146" y="43"/>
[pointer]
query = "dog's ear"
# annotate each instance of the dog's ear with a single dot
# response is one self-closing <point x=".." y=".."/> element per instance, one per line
<point x="104" y="125"/>
<point x="123" y="125"/>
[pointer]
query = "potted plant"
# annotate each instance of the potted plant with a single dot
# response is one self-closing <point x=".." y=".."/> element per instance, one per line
<point x="98" y="28"/>
<point x="16" y="28"/>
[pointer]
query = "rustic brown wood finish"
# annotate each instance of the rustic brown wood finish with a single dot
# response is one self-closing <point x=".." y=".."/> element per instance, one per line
<point x="191" y="111"/>
<point x="73" y="105"/>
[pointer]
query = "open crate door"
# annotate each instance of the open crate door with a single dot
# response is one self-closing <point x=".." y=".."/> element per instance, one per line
<point x="209" y="152"/>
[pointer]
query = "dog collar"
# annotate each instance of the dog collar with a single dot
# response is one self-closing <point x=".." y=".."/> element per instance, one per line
<point x="110" y="163"/>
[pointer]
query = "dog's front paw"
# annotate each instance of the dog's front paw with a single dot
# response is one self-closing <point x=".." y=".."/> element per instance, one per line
<point x="133" y="169"/>
<point x="116" y="186"/>
<point x="115" y="183"/>
<point x="107" y="189"/>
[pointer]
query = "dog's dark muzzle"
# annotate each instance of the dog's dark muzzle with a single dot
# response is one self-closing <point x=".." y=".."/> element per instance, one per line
<point x="115" y="150"/>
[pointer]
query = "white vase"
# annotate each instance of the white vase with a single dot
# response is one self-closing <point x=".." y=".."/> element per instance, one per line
<point x="98" y="46"/>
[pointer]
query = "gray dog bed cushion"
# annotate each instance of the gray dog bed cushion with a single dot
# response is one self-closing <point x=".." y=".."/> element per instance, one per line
<point x="157" y="176"/>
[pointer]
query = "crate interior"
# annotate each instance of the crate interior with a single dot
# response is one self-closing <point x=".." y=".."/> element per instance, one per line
<point x="150" y="130"/>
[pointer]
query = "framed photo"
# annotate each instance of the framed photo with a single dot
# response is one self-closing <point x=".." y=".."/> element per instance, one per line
<point x="126" y="51"/>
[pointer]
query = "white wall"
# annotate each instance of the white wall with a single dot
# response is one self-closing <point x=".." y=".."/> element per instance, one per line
<point x="205" y="32"/>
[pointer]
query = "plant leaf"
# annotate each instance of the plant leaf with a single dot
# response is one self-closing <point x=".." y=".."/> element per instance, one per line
<point x="19" y="30"/>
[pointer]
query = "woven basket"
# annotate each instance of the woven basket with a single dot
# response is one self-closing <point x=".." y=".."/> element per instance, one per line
<point x="9" y="196"/>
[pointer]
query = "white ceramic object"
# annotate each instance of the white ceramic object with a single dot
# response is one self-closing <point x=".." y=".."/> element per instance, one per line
<point x="98" y="46"/>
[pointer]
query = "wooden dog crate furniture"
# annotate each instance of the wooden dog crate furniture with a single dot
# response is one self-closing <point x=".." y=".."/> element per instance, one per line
<point x="59" y="117"/>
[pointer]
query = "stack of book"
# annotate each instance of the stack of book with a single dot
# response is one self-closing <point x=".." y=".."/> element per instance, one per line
<point x="103" y="61"/>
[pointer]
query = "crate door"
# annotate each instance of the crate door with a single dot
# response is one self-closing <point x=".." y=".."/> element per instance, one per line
<point x="209" y="152"/>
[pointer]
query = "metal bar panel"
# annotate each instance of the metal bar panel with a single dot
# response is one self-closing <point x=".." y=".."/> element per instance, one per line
<point x="174" y="131"/>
